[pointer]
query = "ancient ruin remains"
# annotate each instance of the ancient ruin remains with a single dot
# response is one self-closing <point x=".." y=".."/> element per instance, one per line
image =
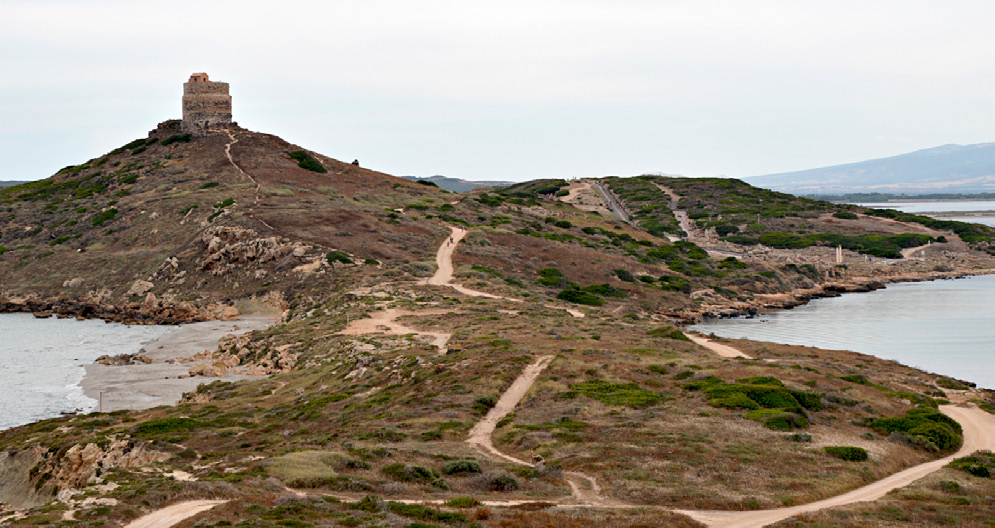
<point x="206" y="105"/>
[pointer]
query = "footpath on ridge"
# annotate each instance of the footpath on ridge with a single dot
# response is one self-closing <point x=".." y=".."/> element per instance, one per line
<point x="978" y="426"/>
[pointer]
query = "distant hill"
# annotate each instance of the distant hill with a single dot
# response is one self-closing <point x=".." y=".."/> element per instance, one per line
<point x="458" y="185"/>
<point x="946" y="169"/>
<point x="10" y="183"/>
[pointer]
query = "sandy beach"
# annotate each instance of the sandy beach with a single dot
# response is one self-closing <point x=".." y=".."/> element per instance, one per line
<point x="147" y="385"/>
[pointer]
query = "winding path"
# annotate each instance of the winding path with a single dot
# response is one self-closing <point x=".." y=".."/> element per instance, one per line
<point x="174" y="514"/>
<point x="979" y="433"/>
<point x="725" y="351"/>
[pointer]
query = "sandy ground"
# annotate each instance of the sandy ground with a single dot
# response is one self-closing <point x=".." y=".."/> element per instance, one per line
<point x="385" y="322"/>
<point x="143" y="386"/>
<point x="171" y="515"/>
<point x="725" y="351"/>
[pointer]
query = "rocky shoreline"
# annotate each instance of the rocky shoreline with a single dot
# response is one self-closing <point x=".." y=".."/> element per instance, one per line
<point x="152" y="311"/>
<point x="786" y="301"/>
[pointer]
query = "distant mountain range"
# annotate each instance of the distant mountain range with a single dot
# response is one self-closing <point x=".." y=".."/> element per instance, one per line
<point x="458" y="185"/>
<point x="946" y="169"/>
<point x="10" y="183"/>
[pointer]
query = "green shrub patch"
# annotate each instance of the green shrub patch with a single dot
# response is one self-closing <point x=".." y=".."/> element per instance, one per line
<point x="404" y="473"/>
<point x="980" y="464"/>
<point x="461" y="467"/>
<point x="849" y="453"/>
<point x="766" y="398"/>
<point x="668" y="332"/>
<point x="619" y="394"/>
<point x="307" y="161"/>
<point x="937" y="428"/>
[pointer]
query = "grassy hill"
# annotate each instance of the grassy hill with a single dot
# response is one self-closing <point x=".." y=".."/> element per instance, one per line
<point x="352" y="422"/>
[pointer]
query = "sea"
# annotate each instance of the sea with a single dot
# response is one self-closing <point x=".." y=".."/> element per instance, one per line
<point x="944" y="326"/>
<point x="42" y="362"/>
<point x="950" y="209"/>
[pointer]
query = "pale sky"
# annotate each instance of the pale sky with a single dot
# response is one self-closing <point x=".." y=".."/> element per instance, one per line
<point x="509" y="90"/>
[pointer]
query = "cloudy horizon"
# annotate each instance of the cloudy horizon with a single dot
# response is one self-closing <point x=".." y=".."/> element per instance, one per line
<point x="515" y="91"/>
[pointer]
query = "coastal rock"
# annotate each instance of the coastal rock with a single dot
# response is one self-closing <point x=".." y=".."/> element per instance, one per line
<point x="140" y="287"/>
<point x="229" y="313"/>
<point x="73" y="283"/>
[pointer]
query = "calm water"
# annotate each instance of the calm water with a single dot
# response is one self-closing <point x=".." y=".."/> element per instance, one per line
<point x="932" y="207"/>
<point x="42" y="360"/>
<point x="946" y="327"/>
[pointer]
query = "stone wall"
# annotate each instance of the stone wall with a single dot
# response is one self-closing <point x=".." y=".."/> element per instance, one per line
<point x="206" y="104"/>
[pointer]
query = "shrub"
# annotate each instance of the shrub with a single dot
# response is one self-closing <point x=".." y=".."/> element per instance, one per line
<point x="459" y="467"/>
<point x="503" y="483"/>
<point x="103" y="217"/>
<point x="737" y="400"/>
<point x="620" y="394"/>
<point x="980" y="464"/>
<point x="799" y="437"/>
<point x="177" y="138"/>
<point x="778" y="420"/>
<point x="931" y="425"/>
<point x="482" y="404"/>
<point x="338" y="256"/>
<point x="307" y="161"/>
<point x="849" y="453"/>
<point x="624" y="275"/>
<point x="165" y="425"/>
<point x="401" y="472"/>
<point x="565" y="224"/>
<point x="424" y="513"/>
<point x="580" y="297"/>
<point x="859" y="379"/>
<point x="668" y="332"/>
<point x="462" y="502"/>
<point x="846" y="215"/>
<point x="605" y="290"/>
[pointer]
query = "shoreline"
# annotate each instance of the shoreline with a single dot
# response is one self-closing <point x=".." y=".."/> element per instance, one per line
<point x="164" y="379"/>
<point x="766" y="303"/>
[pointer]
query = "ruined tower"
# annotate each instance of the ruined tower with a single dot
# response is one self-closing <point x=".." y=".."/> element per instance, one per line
<point x="206" y="104"/>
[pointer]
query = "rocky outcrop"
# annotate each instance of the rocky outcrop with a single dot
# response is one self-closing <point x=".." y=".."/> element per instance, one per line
<point x="95" y="305"/>
<point x="233" y="248"/>
<point x="29" y="477"/>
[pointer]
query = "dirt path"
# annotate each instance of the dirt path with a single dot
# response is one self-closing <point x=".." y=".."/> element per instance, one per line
<point x="979" y="433"/>
<point x="171" y="515"/>
<point x="385" y="322"/>
<point x="444" y="273"/>
<point x="480" y="435"/>
<point x="257" y="194"/>
<point x="585" y="488"/>
<point x="725" y="351"/>
<point x="910" y="252"/>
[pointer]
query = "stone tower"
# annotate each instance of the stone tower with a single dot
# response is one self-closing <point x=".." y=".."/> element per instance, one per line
<point x="206" y="104"/>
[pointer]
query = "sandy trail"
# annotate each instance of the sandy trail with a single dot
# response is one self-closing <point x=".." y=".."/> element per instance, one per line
<point x="385" y="322"/>
<point x="480" y="435"/>
<point x="910" y="252"/>
<point x="725" y="351"/>
<point x="979" y="433"/>
<point x="171" y="515"/>
<point x="444" y="273"/>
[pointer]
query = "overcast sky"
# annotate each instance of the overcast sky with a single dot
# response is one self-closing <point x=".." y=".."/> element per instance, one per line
<point x="509" y="90"/>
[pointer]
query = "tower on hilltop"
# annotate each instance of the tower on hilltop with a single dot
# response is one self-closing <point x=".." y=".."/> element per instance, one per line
<point x="206" y="104"/>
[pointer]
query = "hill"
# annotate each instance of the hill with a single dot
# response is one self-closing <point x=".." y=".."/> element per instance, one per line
<point x="946" y="169"/>
<point x="458" y="185"/>
<point x="436" y="355"/>
<point x="10" y="183"/>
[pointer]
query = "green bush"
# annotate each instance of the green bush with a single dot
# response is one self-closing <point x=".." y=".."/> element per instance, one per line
<point x="668" y="332"/>
<point x="103" y="217"/>
<point x="459" y="467"/>
<point x="424" y="513"/>
<point x="931" y="425"/>
<point x="778" y="420"/>
<point x="845" y="215"/>
<point x="307" y="161"/>
<point x="580" y="297"/>
<point x="624" y="275"/>
<point x="980" y="464"/>
<point x="463" y="502"/>
<point x="620" y="394"/>
<point x="503" y="483"/>
<point x="338" y="256"/>
<point x="859" y="379"/>
<point x="552" y="277"/>
<point x="605" y="290"/>
<point x="849" y="453"/>
<point x="404" y="473"/>
<point x="482" y="404"/>
<point x="177" y="138"/>
<point x="737" y="400"/>
<point x="160" y="426"/>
